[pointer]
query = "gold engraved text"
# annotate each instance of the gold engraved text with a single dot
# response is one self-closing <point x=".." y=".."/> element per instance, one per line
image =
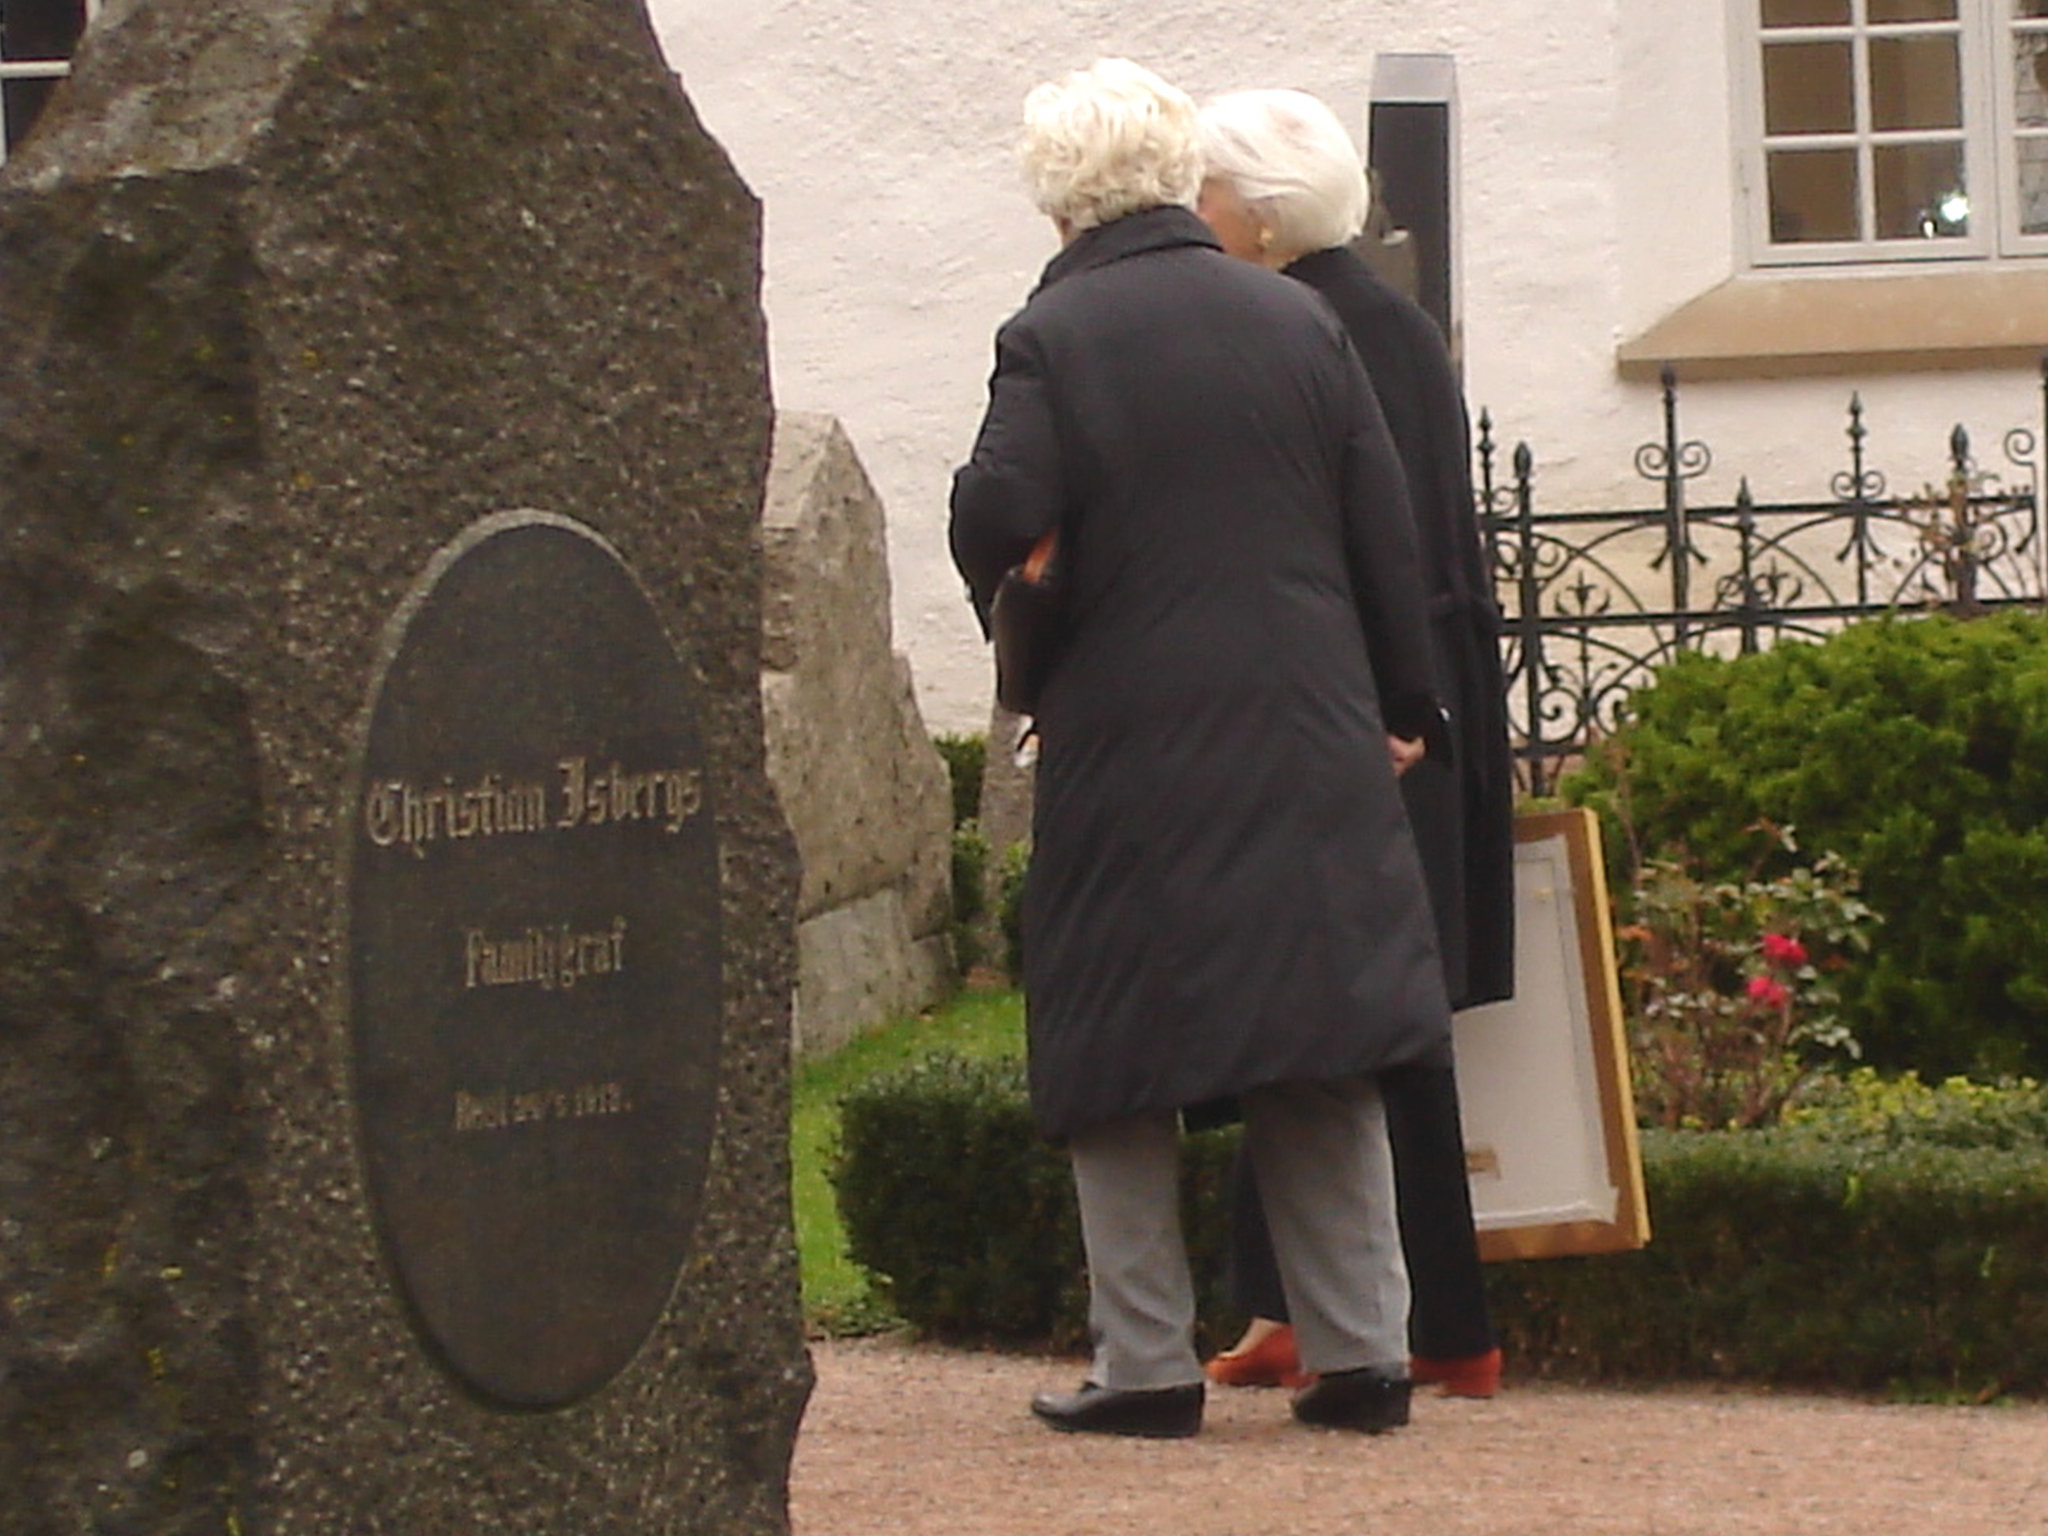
<point x="670" y="796"/>
<point x="401" y="814"/>
<point x="500" y="1109"/>
<point x="549" y="958"/>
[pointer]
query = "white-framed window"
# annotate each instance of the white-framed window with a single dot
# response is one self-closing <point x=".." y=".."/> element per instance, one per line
<point x="2023" y="81"/>
<point x="1883" y="130"/>
<point x="37" y="39"/>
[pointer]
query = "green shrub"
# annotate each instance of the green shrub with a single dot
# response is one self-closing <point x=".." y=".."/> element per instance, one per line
<point x="970" y="895"/>
<point x="1916" y="750"/>
<point x="839" y="1294"/>
<point x="1872" y="1246"/>
<point x="950" y="1196"/>
<point x="1015" y="864"/>
<point x="1794" y="1259"/>
<point x="1883" y="1113"/>
<point x="966" y="760"/>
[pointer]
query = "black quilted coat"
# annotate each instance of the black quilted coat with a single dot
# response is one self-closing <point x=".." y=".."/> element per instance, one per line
<point x="1223" y="888"/>
<point x="1460" y="803"/>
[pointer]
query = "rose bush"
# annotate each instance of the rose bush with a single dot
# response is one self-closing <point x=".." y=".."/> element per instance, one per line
<point x="1730" y="989"/>
<point x="1917" y="749"/>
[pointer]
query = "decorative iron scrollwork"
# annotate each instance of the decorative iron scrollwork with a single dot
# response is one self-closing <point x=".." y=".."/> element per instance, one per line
<point x="1595" y="602"/>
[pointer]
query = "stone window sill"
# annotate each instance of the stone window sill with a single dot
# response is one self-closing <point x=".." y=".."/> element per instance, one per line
<point x="1781" y="324"/>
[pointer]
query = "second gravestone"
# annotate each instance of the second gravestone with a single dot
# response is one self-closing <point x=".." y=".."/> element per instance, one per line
<point x="395" y="919"/>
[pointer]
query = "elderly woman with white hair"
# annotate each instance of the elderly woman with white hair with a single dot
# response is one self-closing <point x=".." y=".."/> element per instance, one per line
<point x="1284" y="190"/>
<point x="1223" y="900"/>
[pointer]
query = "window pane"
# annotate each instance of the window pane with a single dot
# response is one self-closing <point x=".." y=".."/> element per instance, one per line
<point x="1809" y="13"/>
<point x="1808" y="88"/>
<point x="1915" y="82"/>
<point x="23" y="101"/>
<point x="2027" y="8"/>
<point x="1920" y="192"/>
<point x="41" y="29"/>
<point x="1912" y="10"/>
<point x="1813" y="195"/>
<point x="2030" y="77"/>
<point x="2033" y="159"/>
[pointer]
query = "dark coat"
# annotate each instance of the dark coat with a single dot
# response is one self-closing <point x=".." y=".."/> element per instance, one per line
<point x="1460" y="804"/>
<point x="1223" y="892"/>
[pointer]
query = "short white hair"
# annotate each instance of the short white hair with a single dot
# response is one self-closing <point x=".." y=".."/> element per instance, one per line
<point x="1109" y="140"/>
<point x="1286" y="155"/>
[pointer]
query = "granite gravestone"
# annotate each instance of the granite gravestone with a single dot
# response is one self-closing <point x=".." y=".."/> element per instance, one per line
<point x="396" y="922"/>
<point x="865" y="790"/>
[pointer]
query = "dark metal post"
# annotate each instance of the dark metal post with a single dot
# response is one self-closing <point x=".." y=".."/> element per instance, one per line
<point x="1677" y="539"/>
<point x="1861" y="487"/>
<point x="1962" y="531"/>
<point x="1859" y="536"/>
<point x="2037" y="466"/>
<point x="1529" y="620"/>
<point x="1673" y="463"/>
<point x="1489" y="506"/>
<point x="1745" y="527"/>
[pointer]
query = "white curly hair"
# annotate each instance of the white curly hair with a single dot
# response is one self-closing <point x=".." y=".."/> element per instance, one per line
<point x="1109" y="140"/>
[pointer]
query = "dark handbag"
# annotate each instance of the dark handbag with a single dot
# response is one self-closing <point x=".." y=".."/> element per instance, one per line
<point x="1027" y="624"/>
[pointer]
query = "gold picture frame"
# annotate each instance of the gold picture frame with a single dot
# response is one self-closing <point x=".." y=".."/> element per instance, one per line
<point x="1543" y="1078"/>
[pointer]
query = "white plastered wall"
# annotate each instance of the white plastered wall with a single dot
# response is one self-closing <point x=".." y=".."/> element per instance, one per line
<point x="1677" y="170"/>
<point x="1596" y="196"/>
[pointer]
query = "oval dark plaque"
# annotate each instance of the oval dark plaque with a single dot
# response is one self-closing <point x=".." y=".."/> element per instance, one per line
<point x="533" y="959"/>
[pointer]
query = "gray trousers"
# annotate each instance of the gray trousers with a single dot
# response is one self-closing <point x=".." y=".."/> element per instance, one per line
<point x="1326" y="1179"/>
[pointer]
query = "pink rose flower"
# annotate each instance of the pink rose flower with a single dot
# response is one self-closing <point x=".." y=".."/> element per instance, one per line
<point x="1782" y="949"/>
<point x="1769" y="991"/>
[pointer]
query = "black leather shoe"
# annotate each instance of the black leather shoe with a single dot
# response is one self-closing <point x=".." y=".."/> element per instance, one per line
<point x="1163" y="1413"/>
<point x="1366" y="1400"/>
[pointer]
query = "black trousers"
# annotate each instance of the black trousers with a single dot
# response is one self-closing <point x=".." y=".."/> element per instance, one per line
<point x="1448" y="1319"/>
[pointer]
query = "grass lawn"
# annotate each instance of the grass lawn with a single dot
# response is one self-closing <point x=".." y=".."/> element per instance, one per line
<point x="977" y="1025"/>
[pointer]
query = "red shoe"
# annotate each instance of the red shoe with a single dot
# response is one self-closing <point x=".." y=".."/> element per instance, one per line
<point x="1467" y="1376"/>
<point x="1272" y="1362"/>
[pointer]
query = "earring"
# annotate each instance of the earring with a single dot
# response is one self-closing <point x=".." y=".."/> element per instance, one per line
<point x="1265" y="239"/>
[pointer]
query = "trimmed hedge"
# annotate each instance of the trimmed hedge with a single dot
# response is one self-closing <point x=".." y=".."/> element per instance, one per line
<point x="966" y="1215"/>
<point x="1781" y="1257"/>
<point x="1839" y="1254"/>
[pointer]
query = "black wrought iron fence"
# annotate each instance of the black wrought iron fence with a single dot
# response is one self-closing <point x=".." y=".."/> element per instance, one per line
<point x="1594" y="602"/>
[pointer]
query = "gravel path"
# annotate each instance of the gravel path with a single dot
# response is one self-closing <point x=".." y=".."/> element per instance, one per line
<point x="914" y="1440"/>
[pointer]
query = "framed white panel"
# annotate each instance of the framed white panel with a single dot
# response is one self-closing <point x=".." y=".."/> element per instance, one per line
<point x="1549" y="1116"/>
